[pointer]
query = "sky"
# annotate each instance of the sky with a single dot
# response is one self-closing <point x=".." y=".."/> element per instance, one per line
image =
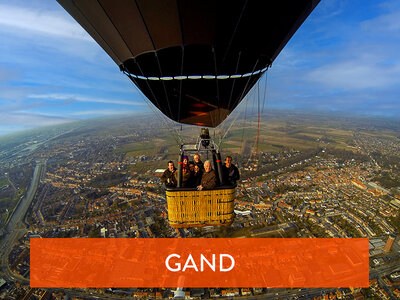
<point x="344" y="58"/>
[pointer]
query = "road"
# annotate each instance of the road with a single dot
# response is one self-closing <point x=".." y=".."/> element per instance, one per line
<point x="16" y="227"/>
<point x="384" y="270"/>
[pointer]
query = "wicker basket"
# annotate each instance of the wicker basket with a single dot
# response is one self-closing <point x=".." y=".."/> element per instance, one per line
<point x="200" y="208"/>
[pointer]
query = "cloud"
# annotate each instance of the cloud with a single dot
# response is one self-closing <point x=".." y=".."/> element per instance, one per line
<point x="72" y="97"/>
<point x="101" y="112"/>
<point x="7" y="74"/>
<point x="367" y="59"/>
<point x="357" y="74"/>
<point x="27" y="119"/>
<point x="13" y="93"/>
<point x="387" y="24"/>
<point x="38" y="21"/>
<point x="8" y="89"/>
<point x="347" y="62"/>
<point x="36" y="33"/>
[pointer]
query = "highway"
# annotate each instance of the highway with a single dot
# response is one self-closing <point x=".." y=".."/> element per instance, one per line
<point x="16" y="227"/>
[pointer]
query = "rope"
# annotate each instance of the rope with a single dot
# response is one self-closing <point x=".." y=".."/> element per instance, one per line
<point x="127" y="73"/>
<point x="265" y="92"/>
<point x="234" y="80"/>
<point x="167" y="123"/>
<point x="259" y="115"/>
<point x="231" y="94"/>
<point x="216" y="82"/>
<point x="244" y="125"/>
<point x="163" y="83"/>
<point x="234" y="32"/>
<point x="229" y="128"/>
<point x="248" y="81"/>
<point x="155" y="54"/>
<point x="180" y="84"/>
<point x="239" y="112"/>
<point x="242" y="95"/>
<point x="259" y="119"/>
<point x="183" y="58"/>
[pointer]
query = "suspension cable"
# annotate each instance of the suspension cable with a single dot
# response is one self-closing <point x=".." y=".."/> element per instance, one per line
<point x="216" y="83"/>
<point x="242" y="94"/>
<point x="230" y="126"/>
<point x="180" y="84"/>
<point x="235" y="30"/>
<point x="167" y="123"/>
<point x="152" y="92"/>
<point x="222" y="135"/>
<point x="244" y="124"/>
<point x="265" y="92"/>
<point x="259" y="115"/>
<point x="234" y="80"/>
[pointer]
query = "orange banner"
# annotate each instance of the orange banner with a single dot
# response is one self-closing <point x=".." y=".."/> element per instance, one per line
<point x="224" y="262"/>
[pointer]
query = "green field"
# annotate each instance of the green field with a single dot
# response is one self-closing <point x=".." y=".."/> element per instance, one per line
<point x="277" y="133"/>
<point x="4" y="182"/>
<point x="4" y="202"/>
<point x="136" y="147"/>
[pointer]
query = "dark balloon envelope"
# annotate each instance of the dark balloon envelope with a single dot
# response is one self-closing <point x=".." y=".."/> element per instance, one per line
<point x="195" y="60"/>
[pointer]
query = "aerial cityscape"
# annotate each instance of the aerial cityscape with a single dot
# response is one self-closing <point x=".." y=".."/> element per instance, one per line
<point x="314" y="176"/>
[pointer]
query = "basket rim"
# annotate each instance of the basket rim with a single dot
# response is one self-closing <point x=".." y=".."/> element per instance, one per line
<point x="221" y="187"/>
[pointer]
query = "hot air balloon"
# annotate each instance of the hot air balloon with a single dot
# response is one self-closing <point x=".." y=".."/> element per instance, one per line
<point x="195" y="61"/>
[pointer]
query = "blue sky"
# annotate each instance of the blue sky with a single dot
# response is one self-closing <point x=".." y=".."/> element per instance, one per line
<point x="344" y="58"/>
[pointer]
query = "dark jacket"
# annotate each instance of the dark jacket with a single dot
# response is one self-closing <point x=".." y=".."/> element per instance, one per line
<point x="197" y="178"/>
<point x="209" y="180"/>
<point x="231" y="174"/>
<point x="171" y="176"/>
<point x="200" y="164"/>
<point x="186" y="179"/>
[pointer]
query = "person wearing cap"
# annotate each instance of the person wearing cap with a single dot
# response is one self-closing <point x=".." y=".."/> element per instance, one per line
<point x="185" y="160"/>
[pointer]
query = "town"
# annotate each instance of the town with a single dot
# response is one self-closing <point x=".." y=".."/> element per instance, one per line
<point x="108" y="186"/>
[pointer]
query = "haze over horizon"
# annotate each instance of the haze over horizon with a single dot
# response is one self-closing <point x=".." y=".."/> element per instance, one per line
<point x="342" y="59"/>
